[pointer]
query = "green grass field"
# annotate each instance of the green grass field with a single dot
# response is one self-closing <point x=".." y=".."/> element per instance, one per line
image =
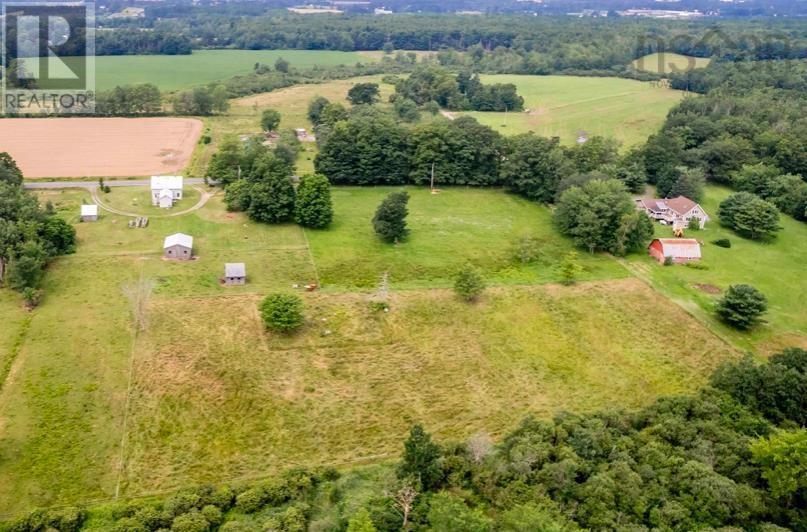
<point x="565" y="106"/>
<point x="174" y="72"/>
<point x="212" y="396"/>
<point x="668" y="62"/>
<point x="776" y="268"/>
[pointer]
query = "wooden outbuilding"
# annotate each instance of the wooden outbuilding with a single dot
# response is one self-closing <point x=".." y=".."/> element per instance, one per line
<point x="235" y="273"/>
<point x="178" y="246"/>
<point x="677" y="250"/>
<point x="89" y="213"/>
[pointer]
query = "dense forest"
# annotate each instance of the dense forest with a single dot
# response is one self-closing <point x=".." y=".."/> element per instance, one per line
<point x="555" y="43"/>
<point x="731" y="457"/>
<point x="748" y="131"/>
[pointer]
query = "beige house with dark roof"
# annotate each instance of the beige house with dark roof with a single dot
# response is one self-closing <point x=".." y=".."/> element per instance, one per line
<point x="676" y="212"/>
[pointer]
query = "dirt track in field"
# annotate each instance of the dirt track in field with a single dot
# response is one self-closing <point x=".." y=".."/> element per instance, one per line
<point x="99" y="147"/>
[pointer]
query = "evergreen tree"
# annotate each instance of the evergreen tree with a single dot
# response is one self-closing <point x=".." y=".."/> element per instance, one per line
<point x="313" y="206"/>
<point x="421" y="459"/>
<point x="389" y="221"/>
<point x="741" y="306"/>
<point x="282" y="312"/>
<point x="468" y="283"/>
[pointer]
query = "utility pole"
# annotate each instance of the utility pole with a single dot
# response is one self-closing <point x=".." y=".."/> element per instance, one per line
<point x="432" y="180"/>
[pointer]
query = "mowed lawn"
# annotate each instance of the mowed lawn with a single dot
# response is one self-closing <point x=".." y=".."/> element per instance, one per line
<point x="217" y="397"/>
<point x="668" y="63"/>
<point x="565" y="106"/>
<point x="776" y="268"/>
<point x="484" y="227"/>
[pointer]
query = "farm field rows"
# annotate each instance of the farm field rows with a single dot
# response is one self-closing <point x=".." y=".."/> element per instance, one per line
<point x="565" y="106"/>
<point x="99" y="147"/>
<point x="214" y="396"/>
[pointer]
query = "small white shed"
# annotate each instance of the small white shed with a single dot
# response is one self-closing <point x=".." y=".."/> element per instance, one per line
<point x="89" y="213"/>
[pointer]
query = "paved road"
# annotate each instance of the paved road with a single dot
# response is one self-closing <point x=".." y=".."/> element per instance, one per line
<point x="94" y="184"/>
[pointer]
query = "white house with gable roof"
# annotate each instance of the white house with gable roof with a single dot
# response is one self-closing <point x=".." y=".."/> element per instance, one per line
<point x="166" y="190"/>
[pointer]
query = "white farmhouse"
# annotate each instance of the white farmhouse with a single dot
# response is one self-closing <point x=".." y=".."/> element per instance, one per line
<point x="166" y="190"/>
<point x="677" y="212"/>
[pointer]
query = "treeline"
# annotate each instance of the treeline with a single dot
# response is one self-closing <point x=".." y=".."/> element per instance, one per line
<point x="567" y="42"/>
<point x="132" y="41"/>
<point x="731" y="457"/>
<point x="30" y="236"/>
<point x="748" y="132"/>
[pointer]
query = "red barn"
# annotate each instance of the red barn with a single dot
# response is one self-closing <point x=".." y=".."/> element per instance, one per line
<point x="679" y="250"/>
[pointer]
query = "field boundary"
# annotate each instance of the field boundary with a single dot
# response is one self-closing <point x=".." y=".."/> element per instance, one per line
<point x="22" y="333"/>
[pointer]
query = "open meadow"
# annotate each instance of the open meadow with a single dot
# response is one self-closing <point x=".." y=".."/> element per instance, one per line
<point x="90" y="409"/>
<point x="567" y="106"/>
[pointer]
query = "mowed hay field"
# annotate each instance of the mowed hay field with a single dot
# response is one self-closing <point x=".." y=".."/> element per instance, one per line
<point x="99" y="147"/>
<point x="668" y="63"/>
<point x="212" y="396"/>
<point x="775" y="267"/>
<point x="565" y="106"/>
<point x="217" y="397"/>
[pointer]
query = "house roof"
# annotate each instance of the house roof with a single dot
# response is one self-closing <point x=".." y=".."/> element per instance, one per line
<point x="681" y="204"/>
<point x="166" y="193"/>
<point x="688" y="248"/>
<point x="235" y="269"/>
<point x="89" y="210"/>
<point x="178" y="239"/>
<point x="159" y="182"/>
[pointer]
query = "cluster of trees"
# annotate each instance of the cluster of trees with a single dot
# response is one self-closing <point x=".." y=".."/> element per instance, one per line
<point x="460" y="92"/>
<point x="129" y="100"/>
<point x="733" y="456"/>
<point x="201" y="101"/>
<point x="30" y="236"/>
<point x="749" y="215"/>
<point x="258" y="181"/>
<point x="747" y="132"/>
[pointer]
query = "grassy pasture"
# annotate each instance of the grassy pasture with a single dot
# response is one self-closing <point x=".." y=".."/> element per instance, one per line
<point x="457" y="225"/>
<point x="668" y="63"/>
<point x="563" y="106"/>
<point x="215" y="396"/>
<point x="776" y="268"/>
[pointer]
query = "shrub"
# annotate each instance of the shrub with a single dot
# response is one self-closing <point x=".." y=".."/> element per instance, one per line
<point x="129" y="524"/>
<point x="212" y="514"/>
<point x="468" y="283"/>
<point x="742" y="306"/>
<point x="282" y="312"/>
<point x="722" y="242"/>
<point x="250" y="501"/>
<point x="190" y="522"/>
<point x="569" y="268"/>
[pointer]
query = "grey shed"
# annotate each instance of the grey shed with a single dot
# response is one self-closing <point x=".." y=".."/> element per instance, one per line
<point x="235" y="273"/>
<point x="178" y="246"/>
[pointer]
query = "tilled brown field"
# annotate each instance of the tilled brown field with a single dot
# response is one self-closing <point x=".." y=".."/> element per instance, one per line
<point x="99" y="147"/>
